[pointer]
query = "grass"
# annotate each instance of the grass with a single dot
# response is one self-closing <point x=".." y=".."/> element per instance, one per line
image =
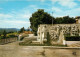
<point x="10" y="35"/>
<point x="15" y="33"/>
<point x="30" y="44"/>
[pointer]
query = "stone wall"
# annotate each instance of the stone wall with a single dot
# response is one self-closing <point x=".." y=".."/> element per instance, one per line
<point x="57" y="32"/>
<point x="8" y="40"/>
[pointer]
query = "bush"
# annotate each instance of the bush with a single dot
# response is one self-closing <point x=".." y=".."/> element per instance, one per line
<point x="48" y="39"/>
<point x="1" y="37"/>
<point x="11" y="36"/>
<point x="21" y="38"/>
<point x="72" y="38"/>
<point x="0" y="34"/>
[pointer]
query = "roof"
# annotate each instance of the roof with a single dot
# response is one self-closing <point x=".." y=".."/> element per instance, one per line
<point x="77" y="17"/>
<point x="28" y="32"/>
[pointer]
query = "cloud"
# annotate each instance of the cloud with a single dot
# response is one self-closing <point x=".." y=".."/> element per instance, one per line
<point x="18" y="18"/>
<point x="59" y="12"/>
<point x="55" y="9"/>
<point x="14" y="24"/>
<point x="22" y="14"/>
<point x="74" y="12"/>
<point x="14" y="21"/>
<point x="22" y="22"/>
<point x="68" y="3"/>
<point x="5" y="16"/>
<point x="25" y="16"/>
<point x="42" y="0"/>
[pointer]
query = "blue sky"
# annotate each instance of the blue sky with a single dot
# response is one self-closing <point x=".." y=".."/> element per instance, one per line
<point x="16" y="13"/>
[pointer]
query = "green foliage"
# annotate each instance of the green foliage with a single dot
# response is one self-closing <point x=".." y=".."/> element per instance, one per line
<point x="64" y="20"/>
<point x="72" y="38"/>
<point x="21" y="38"/>
<point x="4" y="34"/>
<point x="40" y="17"/>
<point x="11" y="32"/>
<point x="48" y="39"/>
<point x="1" y="37"/>
<point x="11" y="36"/>
<point x="22" y="30"/>
<point x="0" y="34"/>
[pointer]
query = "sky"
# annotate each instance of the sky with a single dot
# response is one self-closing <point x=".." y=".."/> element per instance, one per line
<point x="16" y="13"/>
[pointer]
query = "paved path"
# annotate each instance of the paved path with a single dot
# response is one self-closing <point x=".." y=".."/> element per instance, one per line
<point x="38" y="51"/>
<point x="14" y="50"/>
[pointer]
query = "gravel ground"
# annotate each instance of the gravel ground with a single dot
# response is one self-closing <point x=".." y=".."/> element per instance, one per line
<point x="38" y="51"/>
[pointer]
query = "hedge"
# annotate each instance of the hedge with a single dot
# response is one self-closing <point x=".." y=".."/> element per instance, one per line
<point x="72" y="38"/>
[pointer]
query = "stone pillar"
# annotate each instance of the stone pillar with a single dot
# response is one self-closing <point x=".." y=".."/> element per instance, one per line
<point x="61" y="38"/>
<point x="19" y="37"/>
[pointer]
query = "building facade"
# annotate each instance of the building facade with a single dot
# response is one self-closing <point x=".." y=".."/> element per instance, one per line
<point x="77" y="19"/>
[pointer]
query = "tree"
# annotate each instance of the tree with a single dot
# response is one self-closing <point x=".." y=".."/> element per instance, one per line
<point x="40" y="17"/>
<point x="4" y="34"/>
<point x="58" y="20"/>
<point x="22" y="30"/>
<point x="48" y="39"/>
<point x="28" y="29"/>
<point x="64" y="20"/>
<point x="68" y="20"/>
<point x="0" y="34"/>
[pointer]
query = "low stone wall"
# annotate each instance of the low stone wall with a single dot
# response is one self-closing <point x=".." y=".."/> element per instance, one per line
<point x="8" y="40"/>
<point x="72" y="42"/>
<point x="31" y="35"/>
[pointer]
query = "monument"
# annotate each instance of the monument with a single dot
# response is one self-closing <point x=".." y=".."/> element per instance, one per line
<point x="57" y="32"/>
